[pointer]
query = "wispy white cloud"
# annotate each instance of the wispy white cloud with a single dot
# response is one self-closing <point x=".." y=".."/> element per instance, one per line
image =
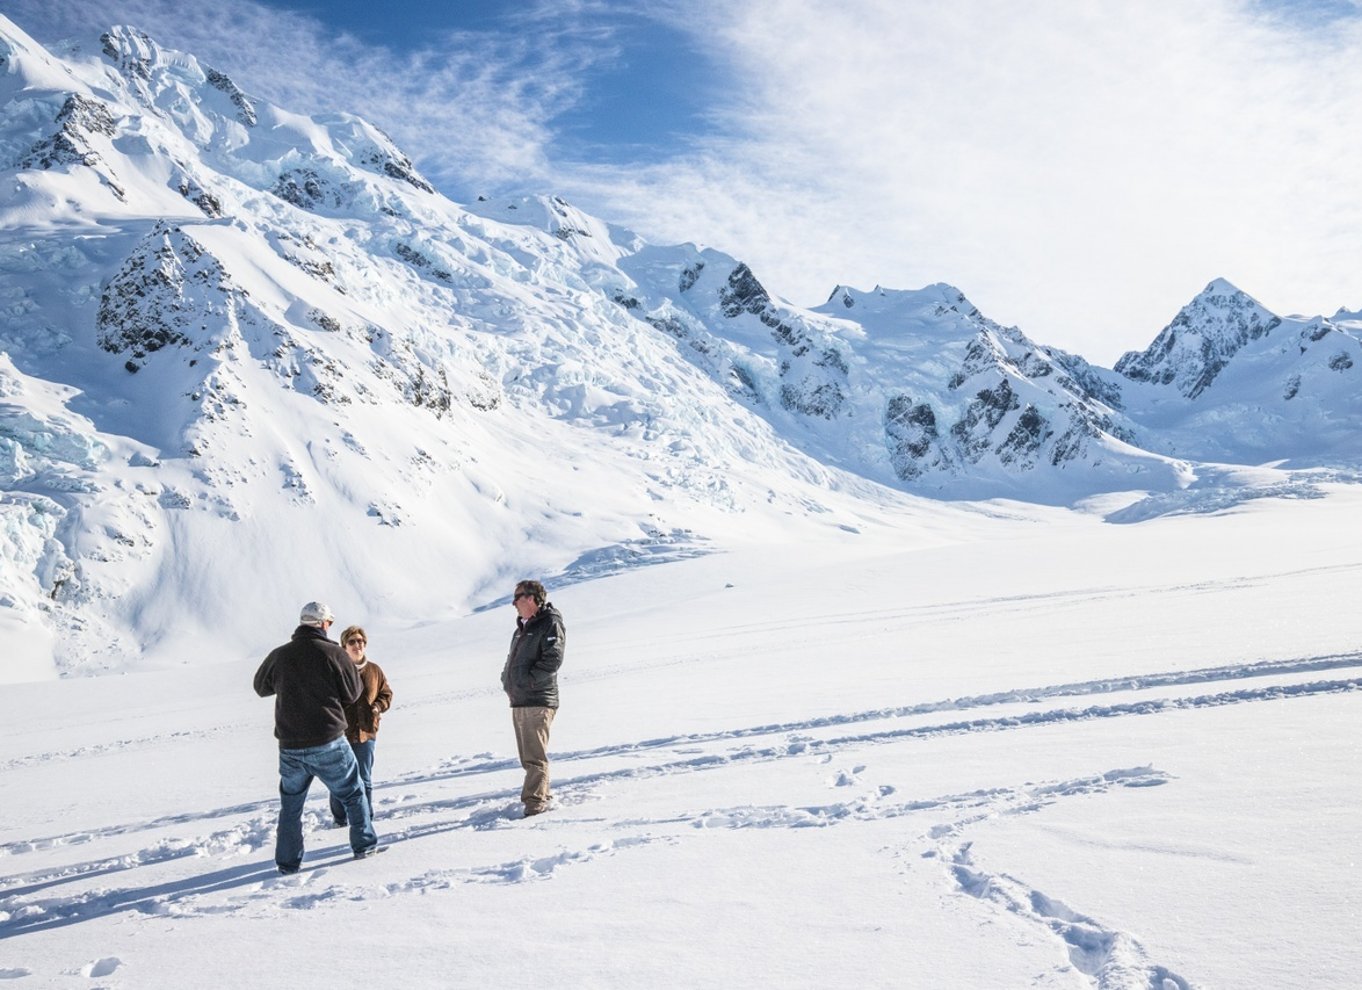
<point x="1078" y="167"/>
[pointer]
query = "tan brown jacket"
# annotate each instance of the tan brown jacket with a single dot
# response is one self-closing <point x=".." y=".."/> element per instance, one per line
<point x="361" y="719"/>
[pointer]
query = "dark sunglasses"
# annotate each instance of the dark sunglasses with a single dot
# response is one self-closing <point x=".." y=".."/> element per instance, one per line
<point x="355" y="641"/>
<point x="523" y="594"/>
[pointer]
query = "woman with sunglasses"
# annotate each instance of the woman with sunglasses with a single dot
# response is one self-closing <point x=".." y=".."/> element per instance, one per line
<point x="361" y="718"/>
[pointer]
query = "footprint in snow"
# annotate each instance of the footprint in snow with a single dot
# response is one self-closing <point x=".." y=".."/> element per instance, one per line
<point x="101" y="967"/>
<point x="845" y="778"/>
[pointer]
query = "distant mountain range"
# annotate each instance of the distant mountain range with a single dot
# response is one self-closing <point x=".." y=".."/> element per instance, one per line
<point x="238" y="343"/>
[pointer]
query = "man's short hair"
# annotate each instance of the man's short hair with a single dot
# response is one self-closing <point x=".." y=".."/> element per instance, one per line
<point x="533" y="589"/>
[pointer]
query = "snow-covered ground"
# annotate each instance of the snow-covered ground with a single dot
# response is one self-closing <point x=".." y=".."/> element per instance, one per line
<point x="1017" y="747"/>
<point x="836" y="734"/>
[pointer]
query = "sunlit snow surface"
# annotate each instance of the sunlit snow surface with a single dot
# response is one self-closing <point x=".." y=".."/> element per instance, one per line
<point x="819" y="729"/>
<point x="1034" y="750"/>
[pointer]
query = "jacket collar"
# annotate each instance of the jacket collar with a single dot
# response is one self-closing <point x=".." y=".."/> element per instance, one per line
<point x="544" y="612"/>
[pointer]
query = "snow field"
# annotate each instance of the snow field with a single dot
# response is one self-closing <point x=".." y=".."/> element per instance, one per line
<point x="1020" y="766"/>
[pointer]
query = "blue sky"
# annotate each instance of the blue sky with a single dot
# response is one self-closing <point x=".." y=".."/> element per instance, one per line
<point x="1080" y="168"/>
<point x="642" y="88"/>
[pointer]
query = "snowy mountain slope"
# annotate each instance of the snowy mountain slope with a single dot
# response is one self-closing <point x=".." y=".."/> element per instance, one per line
<point x="1009" y="407"/>
<point x="1192" y="350"/>
<point x="294" y="357"/>
<point x="1227" y="380"/>
<point x="911" y="388"/>
<point x="299" y="358"/>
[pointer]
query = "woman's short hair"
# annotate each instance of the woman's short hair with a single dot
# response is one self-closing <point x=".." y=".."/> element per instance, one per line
<point x="352" y="631"/>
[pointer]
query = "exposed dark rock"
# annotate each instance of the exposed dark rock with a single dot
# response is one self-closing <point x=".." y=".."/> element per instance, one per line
<point x="60" y="149"/>
<point x="744" y="383"/>
<point x="133" y="66"/>
<point x="324" y="321"/>
<point x="397" y="166"/>
<point x="833" y="358"/>
<point x="979" y="356"/>
<point x="416" y="259"/>
<point x="1027" y="437"/>
<point x="245" y="110"/>
<point x="419" y="383"/>
<point x="743" y="294"/>
<point x="814" y="374"/>
<point x="669" y="325"/>
<point x="974" y="430"/>
<point x="690" y="275"/>
<point x="162" y="295"/>
<point x="318" y="269"/>
<point x="823" y="399"/>
<point x="910" y="435"/>
<point x="429" y="390"/>
<point x="303" y="188"/>
<point x="1072" y="443"/>
<point x="82" y="113"/>
<point x="200" y="197"/>
<point x="1033" y="366"/>
<point x="78" y="118"/>
<point x="1341" y="361"/>
<point x="566" y="227"/>
<point x="813" y="382"/>
<point x="848" y="301"/>
<point x="1085" y="378"/>
<point x="486" y="393"/>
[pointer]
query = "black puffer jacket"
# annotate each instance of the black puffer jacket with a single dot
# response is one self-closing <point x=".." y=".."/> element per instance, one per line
<point x="530" y="677"/>
<point x="312" y="680"/>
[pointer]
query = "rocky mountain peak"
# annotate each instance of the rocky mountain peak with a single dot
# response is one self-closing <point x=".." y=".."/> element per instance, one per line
<point x="1196" y="346"/>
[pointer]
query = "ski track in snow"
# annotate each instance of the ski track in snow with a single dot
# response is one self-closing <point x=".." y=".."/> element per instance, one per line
<point x="944" y="610"/>
<point x="797" y="745"/>
<point x="1134" y="682"/>
<point x="33" y="900"/>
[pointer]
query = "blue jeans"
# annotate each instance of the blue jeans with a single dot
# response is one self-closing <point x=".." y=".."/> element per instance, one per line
<point x="334" y="765"/>
<point x="364" y="756"/>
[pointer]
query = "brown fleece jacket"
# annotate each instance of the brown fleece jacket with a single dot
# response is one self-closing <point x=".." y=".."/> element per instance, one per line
<point x="361" y="718"/>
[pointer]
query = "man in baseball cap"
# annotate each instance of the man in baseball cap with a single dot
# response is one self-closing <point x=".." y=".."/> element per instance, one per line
<point x="312" y="681"/>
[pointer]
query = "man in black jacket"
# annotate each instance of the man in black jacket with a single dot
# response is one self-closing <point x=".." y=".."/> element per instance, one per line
<point x="530" y="680"/>
<point x="313" y="680"/>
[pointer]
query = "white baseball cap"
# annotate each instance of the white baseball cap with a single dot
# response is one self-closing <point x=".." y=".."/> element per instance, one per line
<point x="315" y="613"/>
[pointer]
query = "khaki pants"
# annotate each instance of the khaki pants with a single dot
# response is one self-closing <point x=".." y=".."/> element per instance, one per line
<point x="532" y="741"/>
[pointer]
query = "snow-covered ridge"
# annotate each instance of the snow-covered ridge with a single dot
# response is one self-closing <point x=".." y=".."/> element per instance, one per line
<point x="1202" y="339"/>
<point x="1228" y="380"/>
<point x="276" y="329"/>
